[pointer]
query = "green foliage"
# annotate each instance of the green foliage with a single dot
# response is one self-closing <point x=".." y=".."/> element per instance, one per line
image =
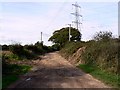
<point x="56" y="47"/>
<point x="11" y="56"/>
<point x="37" y="48"/>
<point x="15" y="69"/>
<point x="70" y="48"/>
<point x="7" y="80"/>
<point x="108" y="78"/>
<point x="4" y="61"/>
<point x="102" y="54"/>
<point x="17" y="49"/>
<point x="61" y="36"/>
<point x="87" y="68"/>
<point x="11" y="69"/>
<point x="5" y="47"/>
<point x="11" y="73"/>
<point x="99" y="53"/>
<point x="103" y="35"/>
<point x="28" y="51"/>
<point x="21" y="52"/>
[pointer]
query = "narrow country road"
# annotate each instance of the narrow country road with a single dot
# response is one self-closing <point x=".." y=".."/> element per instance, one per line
<point x="53" y="71"/>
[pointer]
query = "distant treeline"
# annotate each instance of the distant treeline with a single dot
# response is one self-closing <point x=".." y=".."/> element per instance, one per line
<point x="20" y="53"/>
<point x="28" y="51"/>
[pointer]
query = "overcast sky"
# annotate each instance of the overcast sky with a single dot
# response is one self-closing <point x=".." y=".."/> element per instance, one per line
<point x="24" y="21"/>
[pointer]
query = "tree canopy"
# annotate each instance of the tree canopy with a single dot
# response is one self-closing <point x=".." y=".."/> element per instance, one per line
<point x="103" y="35"/>
<point x="62" y="36"/>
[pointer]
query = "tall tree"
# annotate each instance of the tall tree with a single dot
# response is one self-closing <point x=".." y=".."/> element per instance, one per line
<point x="62" y="36"/>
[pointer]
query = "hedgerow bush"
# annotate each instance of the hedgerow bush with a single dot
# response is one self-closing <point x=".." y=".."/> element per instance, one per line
<point x="56" y="47"/>
<point x="21" y="52"/>
<point x="5" y="47"/>
<point x="102" y="53"/>
<point x="17" y="49"/>
<point x="70" y="48"/>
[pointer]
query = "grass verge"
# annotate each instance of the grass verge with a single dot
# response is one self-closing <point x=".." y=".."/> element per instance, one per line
<point x="108" y="78"/>
<point x="8" y="79"/>
<point x="13" y="73"/>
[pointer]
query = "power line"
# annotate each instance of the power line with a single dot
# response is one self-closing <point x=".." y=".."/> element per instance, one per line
<point x="77" y="15"/>
<point x="56" y="15"/>
<point x="45" y="34"/>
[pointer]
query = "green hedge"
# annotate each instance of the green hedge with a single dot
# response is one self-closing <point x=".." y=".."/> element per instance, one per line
<point x="70" y="48"/>
<point x="102" y="54"/>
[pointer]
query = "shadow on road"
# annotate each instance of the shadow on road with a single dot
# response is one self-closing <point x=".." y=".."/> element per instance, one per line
<point x="53" y="71"/>
<point x="48" y="77"/>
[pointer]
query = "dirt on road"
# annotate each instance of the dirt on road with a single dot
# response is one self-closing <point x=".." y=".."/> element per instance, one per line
<point x="53" y="71"/>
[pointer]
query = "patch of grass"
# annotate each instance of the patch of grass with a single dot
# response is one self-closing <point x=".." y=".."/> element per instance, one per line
<point x="11" y="73"/>
<point x="108" y="78"/>
<point x="16" y="69"/>
<point x="8" y="79"/>
<point x="86" y="68"/>
<point x="102" y="54"/>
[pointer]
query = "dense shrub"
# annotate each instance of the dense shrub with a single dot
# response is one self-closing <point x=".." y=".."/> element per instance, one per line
<point x="37" y="48"/>
<point x="27" y="51"/>
<point x="17" y="49"/>
<point x="5" y="47"/>
<point x="12" y="56"/>
<point x="103" y="35"/>
<point x="70" y="48"/>
<point x="56" y="47"/>
<point x="102" y="54"/>
<point x="47" y="49"/>
<point x="21" y="52"/>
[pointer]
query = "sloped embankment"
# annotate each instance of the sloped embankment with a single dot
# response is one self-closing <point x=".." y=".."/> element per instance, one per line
<point x="99" y="58"/>
<point x="73" y="52"/>
<point x="98" y="53"/>
<point x="76" y="57"/>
